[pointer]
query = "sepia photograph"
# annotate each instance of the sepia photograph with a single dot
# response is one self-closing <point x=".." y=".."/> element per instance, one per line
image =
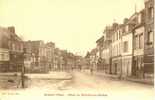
<point x="77" y="49"/>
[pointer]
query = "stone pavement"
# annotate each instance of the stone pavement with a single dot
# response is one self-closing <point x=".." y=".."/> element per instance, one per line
<point x="149" y="81"/>
<point x="51" y="75"/>
<point x="13" y="80"/>
<point x="9" y="80"/>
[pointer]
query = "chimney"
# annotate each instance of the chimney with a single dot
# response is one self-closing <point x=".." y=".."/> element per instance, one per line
<point x="11" y="29"/>
<point x="125" y="20"/>
<point x="115" y="25"/>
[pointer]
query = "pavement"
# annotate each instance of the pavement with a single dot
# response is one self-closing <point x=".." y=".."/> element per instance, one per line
<point x="83" y="83"/>
<point x="9" y="74"/>
<point x="149" y="80"/>
<point x="9" y="82"/>
<point x="13" y="80"/>
<point x="51" y="75"/>
<point x="114" y="89"/>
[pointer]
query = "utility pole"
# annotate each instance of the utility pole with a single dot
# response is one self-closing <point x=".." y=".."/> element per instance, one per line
<point x="23" y="69"/>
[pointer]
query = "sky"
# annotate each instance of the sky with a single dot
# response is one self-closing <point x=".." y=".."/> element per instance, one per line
<point x="73" y="25"/>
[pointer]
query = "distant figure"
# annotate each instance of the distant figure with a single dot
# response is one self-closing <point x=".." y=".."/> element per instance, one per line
<point x="91" y="71"/>
<point x="72" y="68"/>
<point x="80" y="67"/>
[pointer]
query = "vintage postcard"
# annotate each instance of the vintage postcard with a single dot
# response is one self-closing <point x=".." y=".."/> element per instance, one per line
<point x="77" y="49"/>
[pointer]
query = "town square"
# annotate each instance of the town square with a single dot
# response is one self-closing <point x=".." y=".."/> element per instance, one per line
<point x="99" y="48"/>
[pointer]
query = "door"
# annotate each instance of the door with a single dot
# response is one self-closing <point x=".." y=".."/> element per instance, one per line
<point x="115" y="68"/>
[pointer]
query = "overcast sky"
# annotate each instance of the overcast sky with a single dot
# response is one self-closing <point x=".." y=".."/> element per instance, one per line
<point x="74" y="25"/>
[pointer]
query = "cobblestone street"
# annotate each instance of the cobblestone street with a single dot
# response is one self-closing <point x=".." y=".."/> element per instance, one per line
<point x="84" y="82"/>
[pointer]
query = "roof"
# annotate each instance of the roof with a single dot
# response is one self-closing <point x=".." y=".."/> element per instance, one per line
<point x="93" y="51"/>
<point x="101" y="39"/>
<point x="4" y="32"/>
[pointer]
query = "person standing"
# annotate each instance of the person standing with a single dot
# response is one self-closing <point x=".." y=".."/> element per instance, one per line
<point x="91" y="70"/>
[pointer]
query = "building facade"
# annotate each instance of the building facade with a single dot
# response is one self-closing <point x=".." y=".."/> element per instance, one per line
<point x="15" y="51"/>
<point x="107" y="49"/>
<point x="36" y="53"/>
<point x="106" y="56"/>
<point x="50" y="46"/>
<point x="138" y="37"/>
<point x="93" y="59"/>
<point x="4" y="49"/>
<point x="117" y="49"/>
<point x="127" y="45"/>
<point x="100" y="46"/>
<point x="57" y="59"/>
<point x="128" y="48"/>
<point x="149" y="37"/>
<point x="29" y="56"/>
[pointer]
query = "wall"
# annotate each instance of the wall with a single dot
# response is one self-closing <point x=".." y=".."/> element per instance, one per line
<point x="126" y="66"/>
<point x="106" y="55"/>
<point x="139" y="51"/>
<point x="4" y="54"/>
<point x="129" y="39"/>
<point x="116" y="48"/>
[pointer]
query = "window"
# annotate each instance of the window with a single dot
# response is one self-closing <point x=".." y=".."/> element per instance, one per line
<point x="13" y="46"/>
<point x="140" y="41"/>
<point x="120" y="34"/>
<point x="7" y="56"/>
<point x="125" y="46"/>
<point x="117" y="49"/>
<point x="126" y="28"/>
<point x="140" y="18"/>
<point x="151" y="12"/>
<point x="136" y="42"/>
<point x="150" y="37"/>
<point x="4" y="42"/>
<point x="3" y="56"/>
<point x="112" y="38"/>
<point x="117" y="35"/>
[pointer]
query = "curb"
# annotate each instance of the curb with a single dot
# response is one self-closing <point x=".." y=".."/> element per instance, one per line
<point x="142" y="82"/>
<point x="125" y="79"/>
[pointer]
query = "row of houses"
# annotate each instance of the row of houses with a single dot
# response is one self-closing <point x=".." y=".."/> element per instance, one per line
<point x="36" y="56"/>
<point x="11" y="47"/>
<point x="39" y="55"/>
<point x="127" y="49"/>
<point x="47" y="57"/>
